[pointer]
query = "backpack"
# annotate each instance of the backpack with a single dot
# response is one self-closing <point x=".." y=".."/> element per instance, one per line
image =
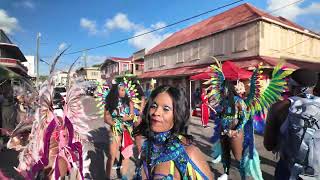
<point x="300" y="141"/>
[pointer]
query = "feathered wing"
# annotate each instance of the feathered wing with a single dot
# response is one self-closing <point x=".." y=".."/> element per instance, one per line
<point x="31" y="153"/>
<point x="261" y="99"/>
<point x="80" y="111"/>
<point x="132" y="92"/>
<point x="216" y="81"/>
<point x="55" y="60"/>
<point x="102" y="93"/>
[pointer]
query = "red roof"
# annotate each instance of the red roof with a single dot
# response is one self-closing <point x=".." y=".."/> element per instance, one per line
<point x="118" y="59"/>
<point x="241" y="14"/>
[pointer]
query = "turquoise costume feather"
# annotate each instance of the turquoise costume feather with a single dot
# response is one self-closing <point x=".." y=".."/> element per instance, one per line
<point x="167" y="147"/>
<point x="256" y="103"/>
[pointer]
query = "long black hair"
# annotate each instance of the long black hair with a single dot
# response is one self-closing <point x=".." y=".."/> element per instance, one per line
<point x="228" y="98"/>
<point x="181" y="112"/>
<point x="112" y="98"/>
<point x="181" y="116"/>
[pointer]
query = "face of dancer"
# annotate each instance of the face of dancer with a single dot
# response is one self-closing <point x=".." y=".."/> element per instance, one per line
<point x="122" y="92"/>
<point x="161" y="113"/>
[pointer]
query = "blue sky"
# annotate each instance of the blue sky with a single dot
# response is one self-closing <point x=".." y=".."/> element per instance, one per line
<point x="84" y="24"/>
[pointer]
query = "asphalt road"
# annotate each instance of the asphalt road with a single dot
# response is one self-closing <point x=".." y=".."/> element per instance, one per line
<point x="96" y="150"/>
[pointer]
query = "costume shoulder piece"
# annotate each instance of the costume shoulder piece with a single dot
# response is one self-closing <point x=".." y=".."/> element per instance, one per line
<point x="102" y="92"/>
<point x="216" y="81"/>
<point x="132" y="92"/>
<point x="261" y="98"/>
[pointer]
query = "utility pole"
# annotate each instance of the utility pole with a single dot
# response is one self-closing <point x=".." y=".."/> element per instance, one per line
<point x="37" y="60"/>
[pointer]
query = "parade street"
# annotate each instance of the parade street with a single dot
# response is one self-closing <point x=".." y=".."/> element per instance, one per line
<point x="98" y="144"/>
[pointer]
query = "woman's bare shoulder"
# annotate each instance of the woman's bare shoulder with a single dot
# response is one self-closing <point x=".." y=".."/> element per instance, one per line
<point x="199" y="160"/>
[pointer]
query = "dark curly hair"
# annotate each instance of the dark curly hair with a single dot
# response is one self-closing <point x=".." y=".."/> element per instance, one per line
<point x="112" y="98"/>
<point x="181" y="113"/>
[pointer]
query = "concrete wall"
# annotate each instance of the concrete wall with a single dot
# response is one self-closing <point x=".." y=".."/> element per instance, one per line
<point x="281" y="42"/>
<point x="235" y="43"/>
<point x="93" y="74"/>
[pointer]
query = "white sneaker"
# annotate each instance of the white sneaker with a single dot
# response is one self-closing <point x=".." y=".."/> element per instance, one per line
<point x="223" y="177"/>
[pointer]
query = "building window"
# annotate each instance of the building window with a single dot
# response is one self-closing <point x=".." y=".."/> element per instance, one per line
<point x="94" y="73"/>
<point x="240" y="40"/>
<point x="306" y="45"/>
<point x="274" y="38"/>
<point x="150" y="63"/>
<point x="179" y="55"/>
<point x="156" y="61"/>
<point x="187" y="52"/>
<point x="125" y="67"/>
<point x="162" y="60"/>
<point x="195" y="51"/>
<point x="218" y="44"/>
<point x="284" y="41"/>
<point x="291" y="41"/>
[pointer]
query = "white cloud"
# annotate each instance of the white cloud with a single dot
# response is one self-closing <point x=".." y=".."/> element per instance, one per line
<point x="120" y="21"/>
<point x="158" y="25"/>
<point x="25" y="4"/>
<point x="314" y="8"/>
<point x="7" y="23"/>
<point x="89" y="25"/>
<point x="92" y="60"/>
<point x="147" y="41"/>
<point x="292" y="11"/>
<point x="62" y="46"/>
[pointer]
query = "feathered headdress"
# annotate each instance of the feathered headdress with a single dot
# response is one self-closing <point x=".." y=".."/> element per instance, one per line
<point x="47" y="125"/>
<point x="102" y="92"/>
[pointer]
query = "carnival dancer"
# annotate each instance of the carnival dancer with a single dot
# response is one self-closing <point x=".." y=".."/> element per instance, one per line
<point x="168" y="153"/>
<point x="205" y="111"/>
<point x="234" y="124"/>
<point x="119" y="115"/>
<point x="54" y="150"/>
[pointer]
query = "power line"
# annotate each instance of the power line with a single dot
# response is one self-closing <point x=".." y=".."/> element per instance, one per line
<point x="274" y="10"/>
<point x="20" y="44"/>
<point x="154" y="30"/>
<point x="175" y="23"/>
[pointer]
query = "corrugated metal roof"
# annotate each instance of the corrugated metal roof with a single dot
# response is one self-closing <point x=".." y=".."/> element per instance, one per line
<point x="241" y="14"/>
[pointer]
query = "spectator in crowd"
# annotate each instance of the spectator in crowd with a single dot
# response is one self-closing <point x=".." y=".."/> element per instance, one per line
<point x="301" y="84"/>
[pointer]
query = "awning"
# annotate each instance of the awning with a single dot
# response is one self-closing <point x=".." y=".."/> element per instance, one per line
<point x="13" y="50"/>
<point x="233" y="72"/>
<point x="201" y="76"/>
<point x="181" y="71"/>
<point x="267" y="62"/>
<point x="245" y="63"/>
<point x="6" y="73"/>
<point x="315" y="66"/>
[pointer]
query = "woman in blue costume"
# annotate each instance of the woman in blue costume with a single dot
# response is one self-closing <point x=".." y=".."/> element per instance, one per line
<point x="234" y="128"/>
<point x="167" y="153"/>
<point x="232" y="115"/>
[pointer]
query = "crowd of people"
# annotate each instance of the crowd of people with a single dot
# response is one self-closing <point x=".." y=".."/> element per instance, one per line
<point x="169" y="152"/>
<point x="157" y="124"/>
